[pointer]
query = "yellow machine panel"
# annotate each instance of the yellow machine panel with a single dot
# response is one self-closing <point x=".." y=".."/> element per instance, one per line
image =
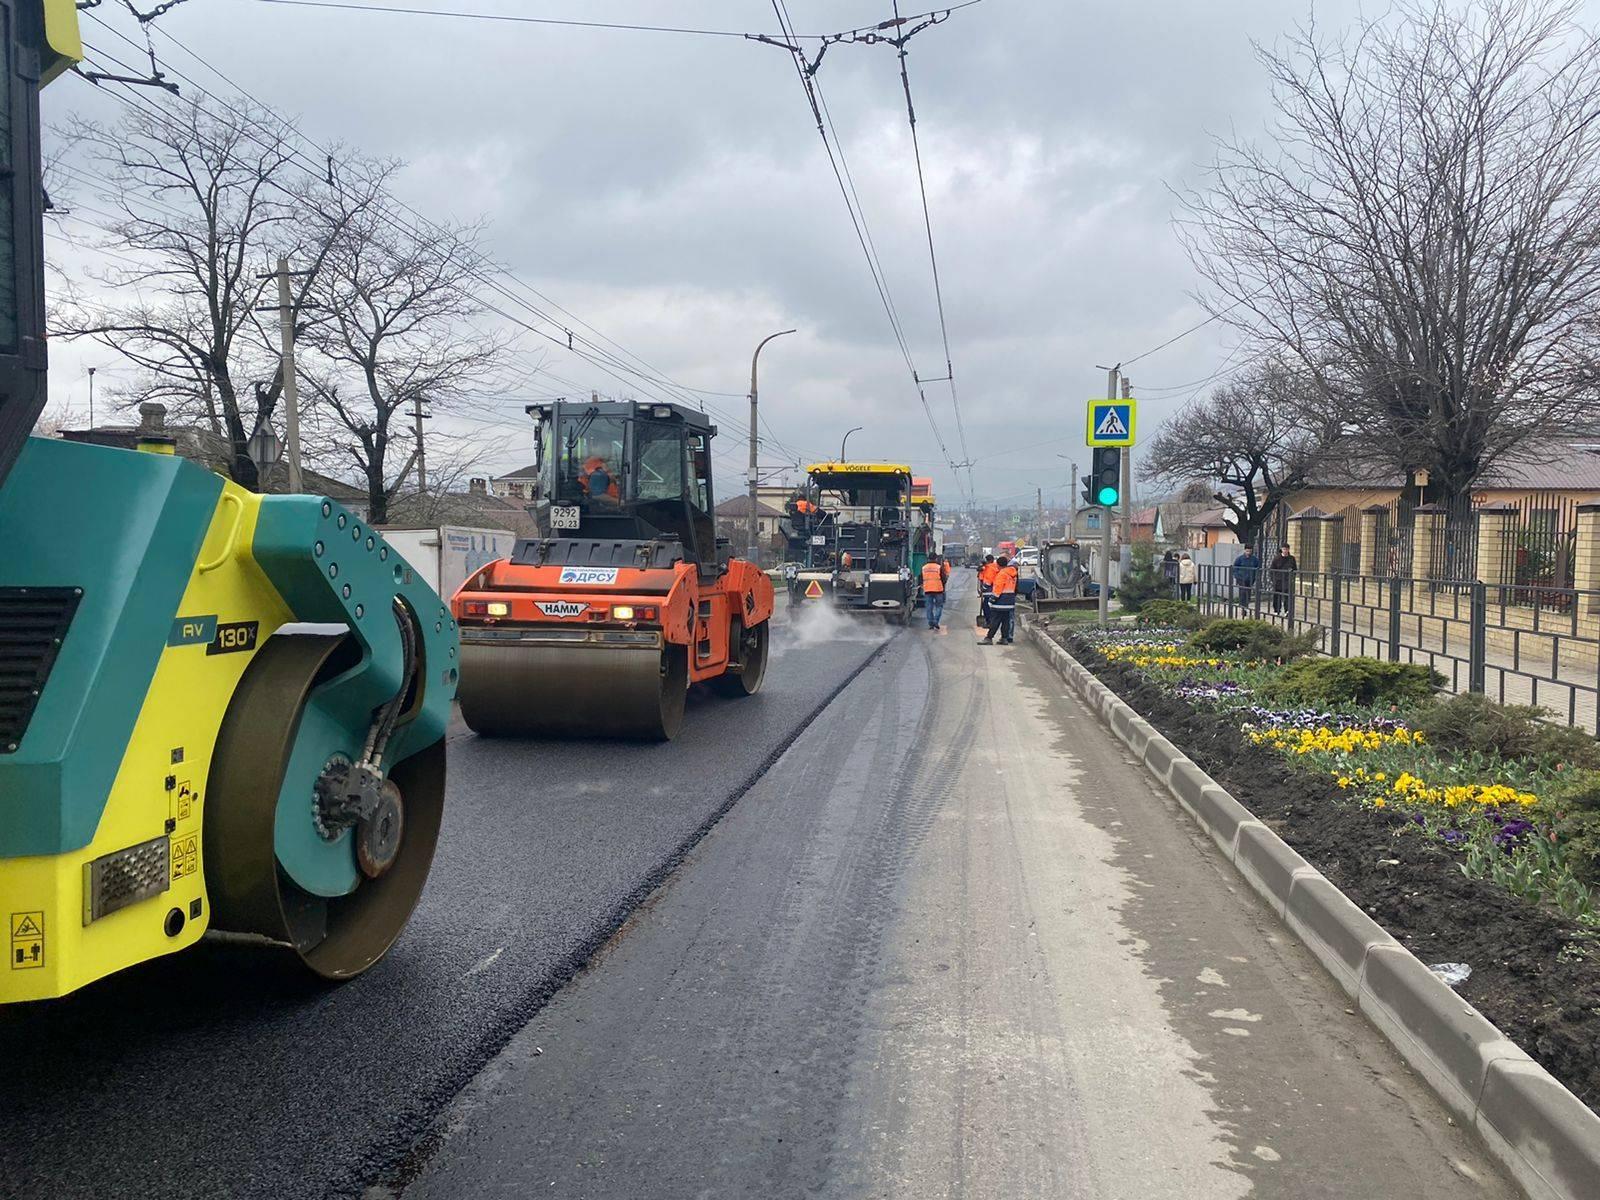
<point x="152" y="819"/>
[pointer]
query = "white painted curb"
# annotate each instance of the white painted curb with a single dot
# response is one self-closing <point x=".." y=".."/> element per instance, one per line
<point x="1546" y="1137"/>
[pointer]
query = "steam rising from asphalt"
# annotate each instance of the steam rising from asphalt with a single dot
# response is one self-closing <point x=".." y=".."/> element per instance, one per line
<point x="818" y="623"/>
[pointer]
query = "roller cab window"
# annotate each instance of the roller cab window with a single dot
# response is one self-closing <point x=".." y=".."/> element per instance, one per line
<point x="590" y="460"/>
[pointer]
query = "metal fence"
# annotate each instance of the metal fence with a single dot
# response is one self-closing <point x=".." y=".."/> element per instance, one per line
<point x="1545" y="536"/>
<point x="1517" y="643"/>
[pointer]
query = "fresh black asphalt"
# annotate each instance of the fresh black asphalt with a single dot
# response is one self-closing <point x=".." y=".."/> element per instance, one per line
<point x="224" y="1071"/>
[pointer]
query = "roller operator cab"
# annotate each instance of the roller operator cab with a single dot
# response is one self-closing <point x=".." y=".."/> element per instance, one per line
<point x="853" y="548"/>
<point x="601" y="627"/>
<point x="218" y="710"/>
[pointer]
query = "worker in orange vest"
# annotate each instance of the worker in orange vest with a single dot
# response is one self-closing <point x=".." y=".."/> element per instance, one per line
<point x="986" y="574"/>
<point x="596" y="479"/>
<point x="1003" y="604"/>
<point x="935" y="573"/>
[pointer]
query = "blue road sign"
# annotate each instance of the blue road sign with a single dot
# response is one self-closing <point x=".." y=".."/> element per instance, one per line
<point x="1110" y="422"/>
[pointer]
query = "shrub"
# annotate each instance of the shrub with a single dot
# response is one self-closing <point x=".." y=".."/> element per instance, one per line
<point x="1473" y="723"/>
<point x="1327" y="681"/>
<point x="1574" y="804"/>
<point x="1255" y="639"/>
<point x="1170" y="614"/>
<point x="1143" y="581"/>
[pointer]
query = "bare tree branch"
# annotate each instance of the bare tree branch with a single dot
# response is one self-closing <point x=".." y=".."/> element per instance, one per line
<point x="1421" y="229"/>
<point x="1259" y="436"/>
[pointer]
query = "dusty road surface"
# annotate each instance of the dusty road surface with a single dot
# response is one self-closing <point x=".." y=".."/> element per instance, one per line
<point x="951" y="944"/>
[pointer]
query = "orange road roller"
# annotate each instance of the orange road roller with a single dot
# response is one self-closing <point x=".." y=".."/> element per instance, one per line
<point x="600" y="628"/>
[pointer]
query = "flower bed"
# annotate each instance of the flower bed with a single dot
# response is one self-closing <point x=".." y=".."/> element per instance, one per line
<point x="1461" y="854"/>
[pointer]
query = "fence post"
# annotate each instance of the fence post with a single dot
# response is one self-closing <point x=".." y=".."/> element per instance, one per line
<point x="1335" y="626"/>
<point x="1476" y="639"/>
<point x="1497" y="547"/>
<point x="1427" y="541"/>
<point x="1374" y="540"/>
<point x="1394" y="618"/>
<point x="1330" y="542"/>
<point x="1586" y="560"/>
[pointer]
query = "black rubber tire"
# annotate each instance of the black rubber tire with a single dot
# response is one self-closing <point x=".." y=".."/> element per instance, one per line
<point x="754" y="647"/>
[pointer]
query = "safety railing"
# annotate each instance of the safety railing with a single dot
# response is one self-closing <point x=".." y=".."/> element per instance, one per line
<point x="1518" y="644"/>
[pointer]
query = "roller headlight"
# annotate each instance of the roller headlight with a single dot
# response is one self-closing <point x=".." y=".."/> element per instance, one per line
<point x="790" y="570"/>
<point x="499" y="608"/>
<point x="622" y="612"/>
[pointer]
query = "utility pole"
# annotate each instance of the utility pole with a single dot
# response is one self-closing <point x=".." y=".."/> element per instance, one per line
<point x="91" y="397"/>
<point x="1072" y="502"/>
<point x="755" y="548"/>
<point x="1039" y="520"/>
<point x="1127" y="474"/>
<point x="291" y="388"/>
<point x="422" y="452"/>
<point x="1105" y="525"/>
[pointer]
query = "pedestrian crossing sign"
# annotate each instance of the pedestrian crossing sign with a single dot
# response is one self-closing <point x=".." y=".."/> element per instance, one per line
<point x="1110" y="422"/>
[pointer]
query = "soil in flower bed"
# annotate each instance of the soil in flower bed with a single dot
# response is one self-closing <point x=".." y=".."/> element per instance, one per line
<point x="1535" y="974"/>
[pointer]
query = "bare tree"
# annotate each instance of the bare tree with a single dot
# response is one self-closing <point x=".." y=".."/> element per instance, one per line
<point x="206" y="195"/>
<point x="1259" y="436"/>
<point x="1419" y="231"/>
<point x="396" y="330"/>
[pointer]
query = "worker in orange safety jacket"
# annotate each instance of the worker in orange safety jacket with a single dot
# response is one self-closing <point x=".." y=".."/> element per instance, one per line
<point x="935" y="573"/>
<point x="596" y="479"/>
<point x="1003" y="604"/>
<point x="986" y="574"/>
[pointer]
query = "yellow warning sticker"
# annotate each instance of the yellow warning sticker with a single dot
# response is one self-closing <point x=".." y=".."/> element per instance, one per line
<point x="814" y="590"/>
<point x="27" y="924"/>
<point x="185" y="800"/>
<point x="27" y="940"/>
<point x="185" y="855"/>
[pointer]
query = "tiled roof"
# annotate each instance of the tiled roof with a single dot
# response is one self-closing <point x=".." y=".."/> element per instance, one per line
<point x="739" y="506"/>
<point x="1570" y="466"/>
<point x="1564" y="465"/>
<point x="1209" y="518"/>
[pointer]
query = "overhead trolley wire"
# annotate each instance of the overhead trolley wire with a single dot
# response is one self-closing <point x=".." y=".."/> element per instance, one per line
<point x="858" y="221"/>
<point x="606" y="361"/>
<point x="933" y="258"/>
<point x="860" y="33"/>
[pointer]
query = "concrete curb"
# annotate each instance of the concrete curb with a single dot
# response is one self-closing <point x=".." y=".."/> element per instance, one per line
<point x="1545" y="1137"/>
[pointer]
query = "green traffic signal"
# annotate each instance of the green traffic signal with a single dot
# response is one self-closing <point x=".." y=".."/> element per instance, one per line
<point x="1108" y="496"/>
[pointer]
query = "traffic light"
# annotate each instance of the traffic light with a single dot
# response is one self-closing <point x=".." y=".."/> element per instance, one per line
<point x="1105" y="477"/>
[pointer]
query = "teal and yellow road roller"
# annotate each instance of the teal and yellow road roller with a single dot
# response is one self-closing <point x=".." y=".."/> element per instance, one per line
<point x="218" y="710"/>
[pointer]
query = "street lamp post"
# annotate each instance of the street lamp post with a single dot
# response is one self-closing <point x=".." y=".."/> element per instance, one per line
<point x="846" y="438"/>
<point x="755" y="549"/>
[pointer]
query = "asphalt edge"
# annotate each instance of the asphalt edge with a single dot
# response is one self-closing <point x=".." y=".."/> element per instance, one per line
<point x="390" y="1164"/>
<point x="1544" y="1136"/>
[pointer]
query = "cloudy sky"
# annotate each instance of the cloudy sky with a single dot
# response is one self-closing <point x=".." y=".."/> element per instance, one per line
<point x="671" y="192"/>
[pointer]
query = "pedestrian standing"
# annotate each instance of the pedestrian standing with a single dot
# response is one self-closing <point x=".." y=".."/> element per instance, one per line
<point x="986" y="574"/>
<point x="1282" y="569"/>
<point x="1003" y="603"/>
<point x="935" y="574"/>
<point x="1245" y="569"/>
<point x="1185" y="576"/>
<point x="1169" y="571"/>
